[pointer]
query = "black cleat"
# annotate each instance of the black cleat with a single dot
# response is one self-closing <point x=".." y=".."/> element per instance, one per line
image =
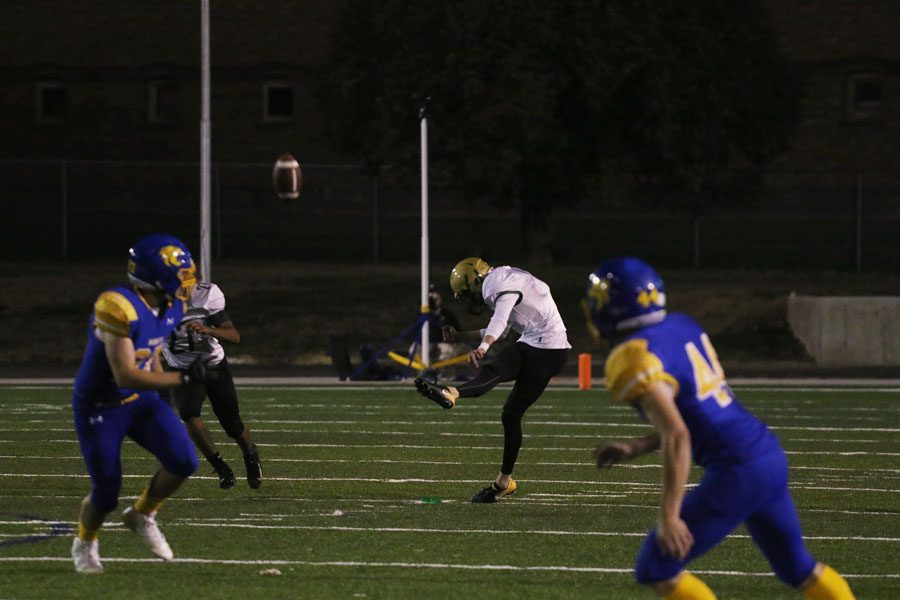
<point x="494" y="492"/>
<point x="254" y="469"/>
<point x="435" y="393"/>
<point x="226" y="475"/>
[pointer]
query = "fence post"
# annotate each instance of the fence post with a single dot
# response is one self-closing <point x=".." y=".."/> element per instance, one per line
<point x="64" y="197"/>
<point x="375" y="224"/>
<point x="859" y="202"/>
<point x="218" y="232"/>
<point x="696" y="242"/>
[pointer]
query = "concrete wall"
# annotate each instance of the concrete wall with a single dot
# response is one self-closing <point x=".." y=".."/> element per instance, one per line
<point x="848" y="331"/>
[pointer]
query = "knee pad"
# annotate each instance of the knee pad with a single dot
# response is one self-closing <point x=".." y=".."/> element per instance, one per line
<point x="105" y="498"/>
<point x="795" y="573"/>
<point x="184" y="464"/>
<point x="650" y="566"/>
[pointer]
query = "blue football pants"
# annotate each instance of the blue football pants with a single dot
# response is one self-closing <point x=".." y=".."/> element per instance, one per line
<point x="754" y="493"/>
<point x="151" y="423"/>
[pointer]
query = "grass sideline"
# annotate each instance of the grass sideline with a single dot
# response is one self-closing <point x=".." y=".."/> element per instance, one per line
<point x="340" y="512"/>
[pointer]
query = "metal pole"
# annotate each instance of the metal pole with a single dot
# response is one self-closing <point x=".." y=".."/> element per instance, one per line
<point x="426" y="359"/>
<point x="65" y="208"/>
<point x="205" y="268"/>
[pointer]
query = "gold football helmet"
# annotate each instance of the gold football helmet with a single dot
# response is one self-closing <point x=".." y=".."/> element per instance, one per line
<point x="465" y="281"/>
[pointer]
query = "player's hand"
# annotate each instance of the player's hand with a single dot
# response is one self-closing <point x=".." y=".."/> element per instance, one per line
<point x="198" y="327"/>
<point x="199" y="371"/>
<point x="610" y="453"/>
<point x="674" y="538"/>
<point x="448" y="333"/>
<point x="474" y="356"/>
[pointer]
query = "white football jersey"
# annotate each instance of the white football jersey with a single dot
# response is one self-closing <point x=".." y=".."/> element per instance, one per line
<point x="534" y="314"/>
<point x="183" y="346"/>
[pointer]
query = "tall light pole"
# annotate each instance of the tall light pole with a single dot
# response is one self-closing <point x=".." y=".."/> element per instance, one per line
<point x="423" y="119"/>
<point x="205" y="160"/>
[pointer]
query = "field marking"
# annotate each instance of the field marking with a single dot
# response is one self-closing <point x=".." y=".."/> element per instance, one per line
<point x="641" y="534"/>
<point x="447" y="434"/>
<point x="446" y="448"/>
<point x="389" y="461"/>
<point x="540" y="498"/>
<point x="596" y="424"/>
<point x="406" y="565"/>
<point x="391" y="481"/>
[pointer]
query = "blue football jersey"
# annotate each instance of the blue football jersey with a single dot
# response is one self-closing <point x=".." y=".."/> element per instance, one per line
<point x="677" y="351"/>
<point x="121" y="311"/>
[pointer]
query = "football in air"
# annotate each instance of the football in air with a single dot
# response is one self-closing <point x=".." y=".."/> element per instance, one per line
<point x="287" y="177"/>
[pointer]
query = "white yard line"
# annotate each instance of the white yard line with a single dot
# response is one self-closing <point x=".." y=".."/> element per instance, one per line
<point x="409" y="565"/>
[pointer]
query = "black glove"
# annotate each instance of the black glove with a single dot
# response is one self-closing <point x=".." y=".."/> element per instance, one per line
<point x="200" y="371"/>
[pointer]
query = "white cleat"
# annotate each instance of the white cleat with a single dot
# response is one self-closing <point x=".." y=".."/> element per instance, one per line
<point x="86" y="556"/>
<point x="145" y="526"/>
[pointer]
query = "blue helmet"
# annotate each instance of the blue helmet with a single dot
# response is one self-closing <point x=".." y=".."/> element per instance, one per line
<point x="162" y="262"/>
<point x="624" y="293"/>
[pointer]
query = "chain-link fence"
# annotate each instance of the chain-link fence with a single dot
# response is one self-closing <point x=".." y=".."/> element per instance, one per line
<point x="87" y="209"/>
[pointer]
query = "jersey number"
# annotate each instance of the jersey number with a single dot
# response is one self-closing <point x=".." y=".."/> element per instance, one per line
<point x="708" y="376"/>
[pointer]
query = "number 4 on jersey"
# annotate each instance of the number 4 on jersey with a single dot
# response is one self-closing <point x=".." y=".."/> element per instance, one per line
<point x="708" y="376"/>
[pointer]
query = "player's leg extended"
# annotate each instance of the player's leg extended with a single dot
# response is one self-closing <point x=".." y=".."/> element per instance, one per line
<point x="100" y="436"/>
<point x="224" y="402"/>
<point x="711" y="511"/>
<point x="775" y="528"/>
<point x="537" y="366"/>
<point x="188" y="401"/>
<point x="160" y="432"/>
<point x="504" y="367"/>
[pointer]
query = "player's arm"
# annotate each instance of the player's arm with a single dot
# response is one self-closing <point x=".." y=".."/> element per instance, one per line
<point x="502" y="309"/>
<point x="122" y="361"/>
<point x="222" y="328"/>
<point x="658" y="404"/>
<point x="451" y="334"/>
<point x="609" y="453"/>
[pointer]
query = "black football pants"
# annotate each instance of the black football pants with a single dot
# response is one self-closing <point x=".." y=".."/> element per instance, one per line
<point x="222" y="398"/>
<point x="531" y="368"/>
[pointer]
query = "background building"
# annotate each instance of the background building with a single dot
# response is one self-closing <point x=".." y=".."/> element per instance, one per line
<point x="101" y="118"/>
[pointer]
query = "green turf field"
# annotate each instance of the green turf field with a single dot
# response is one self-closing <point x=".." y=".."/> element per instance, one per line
<point x="340" y="513"/>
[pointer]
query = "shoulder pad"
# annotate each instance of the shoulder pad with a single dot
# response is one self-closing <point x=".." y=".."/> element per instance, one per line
<point x="113" y="312"/>
<point x="631" y="368"/>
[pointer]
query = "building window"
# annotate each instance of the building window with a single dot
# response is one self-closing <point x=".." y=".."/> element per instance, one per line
<point x="51" y="102"/>
<point x="278" y="102"/>
<point x="863" y="96"/>
<point x="162" y="102"/>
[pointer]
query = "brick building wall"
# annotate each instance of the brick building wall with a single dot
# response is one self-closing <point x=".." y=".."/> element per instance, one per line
<point x="108" y="53"/>
<point x="832" y="44"/>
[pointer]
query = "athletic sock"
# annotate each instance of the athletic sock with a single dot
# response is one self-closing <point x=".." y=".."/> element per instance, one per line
<point x="85" y="534"/>
<point x="690" y="588"/>
<point x="147" y="504"/>
<point x="829" y="586"/>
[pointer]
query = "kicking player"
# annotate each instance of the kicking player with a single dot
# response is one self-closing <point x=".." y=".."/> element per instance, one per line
<point x="114" y="395"/>
<point x="520" y="302"/>
<point x="197" y="338"/>
<point x="666" y="367"/>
